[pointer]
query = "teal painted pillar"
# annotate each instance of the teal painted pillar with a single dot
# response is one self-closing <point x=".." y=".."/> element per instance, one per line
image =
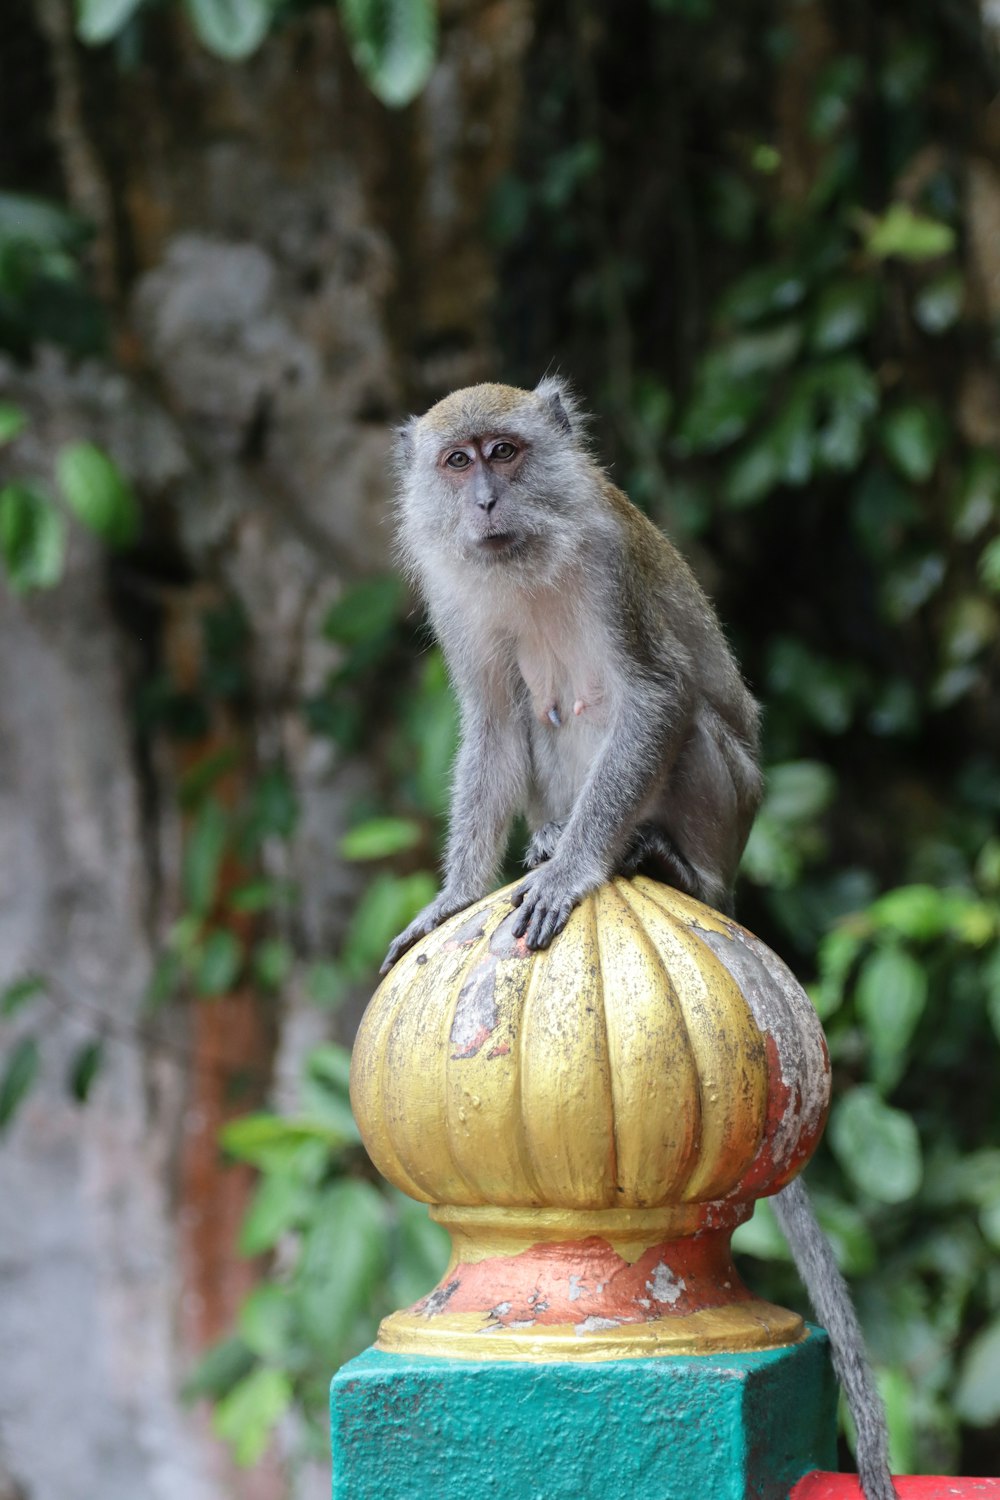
<point x="701" y="1427"/>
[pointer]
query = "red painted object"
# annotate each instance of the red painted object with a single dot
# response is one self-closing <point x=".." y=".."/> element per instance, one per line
<point x="820" y="1486"/>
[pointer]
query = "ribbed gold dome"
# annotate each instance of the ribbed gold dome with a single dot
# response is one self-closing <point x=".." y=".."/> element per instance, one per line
<point x="643" y="1079"/>
<point x="627" y="1066"/>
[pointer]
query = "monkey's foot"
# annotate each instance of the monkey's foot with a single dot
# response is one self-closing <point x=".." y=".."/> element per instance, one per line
<point x="546" y="900"/>
<point x="544" y="842"/>
<point x="651" y="852"/>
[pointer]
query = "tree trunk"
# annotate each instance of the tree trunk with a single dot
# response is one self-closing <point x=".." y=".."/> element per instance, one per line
<point x="290" y="267"/>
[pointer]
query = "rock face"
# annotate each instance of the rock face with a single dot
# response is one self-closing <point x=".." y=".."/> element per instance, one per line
<point x="271" y="242"/>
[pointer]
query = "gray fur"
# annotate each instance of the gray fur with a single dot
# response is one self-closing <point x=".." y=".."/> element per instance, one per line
<point x="831" y="1302"/>
<point x="599" y="697"/>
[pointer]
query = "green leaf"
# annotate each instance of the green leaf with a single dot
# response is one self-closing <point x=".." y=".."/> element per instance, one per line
<point x="218" y="1371"/>
<point x="891" y="996"/>
<point x="343" y="1261"/>
<point x="989" y="565"/>
<point x="99" y="20"/>
<point x="379" y="838"/>
<point x="232" y="29"/>
<point x="799" y="790"/>
<point x="877" y="1146"/>
<point x="326" y="983"/>
<point x="84" y="1068"/>
<point x="12" y="421"/>
<point x="977" y="1395"/>
<point x="273" y="1142"/>
<point x="394" y="45"/>
<point x="274" y="808"/>
<point x="754" y="474"/>
<point x="18" y="994"/>
<point x="909" y="236"/>
<point x="938" y="305"/>
<point x="206" y="845"/>
<point x="262" y="895"/>
<point x="264" y="1322"/>
<point x="908" y="587"/>
<point x="43" y="225"/>
<point x="721" y="408"/>
<point x="913" y="436"/>
<point x="196" y="781"/>
<point x="279" y="1204"/>
<point x="220" y="963"/>
<point x="843" y="314"/>
<point x="761" y="293"/>
<point x="366" y="610"/>
<point x="20" y="1069"/>
<point x="272" y="963"/>
<point x="98" y="493"/>
<point x="838" y="86"/>
<point x="32" y="538"/>
<point x="979" y="494"/>
<point x="421" y="1253"/>
<point x="247" y="1416"/>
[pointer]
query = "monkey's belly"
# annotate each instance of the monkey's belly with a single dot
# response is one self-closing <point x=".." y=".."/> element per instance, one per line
<point x="561" y="760"/>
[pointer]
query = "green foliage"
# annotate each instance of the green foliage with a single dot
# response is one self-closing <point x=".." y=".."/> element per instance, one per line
<point x="43" y="291"/>
<point x="351" y="1250"/>
<point x="33" y="529"/>
<point x="32" y="538"/>
<point x="393" y="42"/>
<point x="98" y="494"/>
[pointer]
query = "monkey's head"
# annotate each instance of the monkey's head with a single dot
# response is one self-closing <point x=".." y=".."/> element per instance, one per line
<point x="495" y="478"/>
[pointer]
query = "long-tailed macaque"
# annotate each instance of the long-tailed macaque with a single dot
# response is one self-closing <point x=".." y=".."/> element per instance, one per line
<point x="598" y="697"/>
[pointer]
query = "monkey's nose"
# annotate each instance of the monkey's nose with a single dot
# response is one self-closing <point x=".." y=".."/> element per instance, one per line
<point x="486" y="503"/>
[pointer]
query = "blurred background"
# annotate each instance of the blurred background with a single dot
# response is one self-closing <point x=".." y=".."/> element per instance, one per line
<point x="238" y="240"/>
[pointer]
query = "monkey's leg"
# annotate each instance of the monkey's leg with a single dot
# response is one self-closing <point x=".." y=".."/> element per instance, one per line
<point x="483" y="802"/>
<point x="543" y="844"/>
<point x="618" y="783"/>
<point x="652" y="852"/>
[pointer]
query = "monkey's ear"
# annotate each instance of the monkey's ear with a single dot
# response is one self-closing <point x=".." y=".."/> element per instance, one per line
<point x="558" y="401"/>
<point x="405" y="441"/>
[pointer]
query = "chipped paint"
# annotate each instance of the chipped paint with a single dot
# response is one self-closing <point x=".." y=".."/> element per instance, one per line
<point x="664" y="1286"/>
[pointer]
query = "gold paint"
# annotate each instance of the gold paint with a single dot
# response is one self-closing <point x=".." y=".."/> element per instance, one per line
<point x="635" y="1074"/>
<point x="480" y="1233"/>
<point x="739" y="1326"/>
<point x="613" y="1086"/>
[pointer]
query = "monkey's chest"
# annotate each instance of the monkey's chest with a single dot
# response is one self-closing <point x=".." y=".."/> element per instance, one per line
<point x="568" y="720"/>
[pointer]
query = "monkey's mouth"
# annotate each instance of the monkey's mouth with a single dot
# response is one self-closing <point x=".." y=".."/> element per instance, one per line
<point x="498" y="541"/>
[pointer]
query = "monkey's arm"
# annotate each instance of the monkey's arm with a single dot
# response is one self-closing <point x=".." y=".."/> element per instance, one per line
<point x="489" y="781"/>
<point x="641" y="745"/>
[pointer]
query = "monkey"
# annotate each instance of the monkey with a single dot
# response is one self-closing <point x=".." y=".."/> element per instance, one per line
<point x="597" y="692"/>
<point x="599" y="697"/>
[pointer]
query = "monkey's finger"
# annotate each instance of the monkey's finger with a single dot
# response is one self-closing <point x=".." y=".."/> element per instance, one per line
<point x="522" y="920"/>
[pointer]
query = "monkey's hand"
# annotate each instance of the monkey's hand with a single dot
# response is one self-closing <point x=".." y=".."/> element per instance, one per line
<point x="442" y="907"/>
<point x="546" y="899"/>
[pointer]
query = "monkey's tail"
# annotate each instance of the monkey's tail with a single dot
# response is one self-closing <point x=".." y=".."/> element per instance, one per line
<point x="831" y="1302"/>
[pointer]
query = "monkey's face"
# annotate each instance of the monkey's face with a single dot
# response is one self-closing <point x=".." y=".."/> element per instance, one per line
<point x="480" y="478"/>
<point x="491" y="480"/>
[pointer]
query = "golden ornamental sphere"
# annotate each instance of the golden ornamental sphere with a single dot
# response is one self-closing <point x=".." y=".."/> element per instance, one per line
<point x="615" y="1101"/>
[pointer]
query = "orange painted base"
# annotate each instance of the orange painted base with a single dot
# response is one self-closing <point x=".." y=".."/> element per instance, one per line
<point x="625" y="1291"/>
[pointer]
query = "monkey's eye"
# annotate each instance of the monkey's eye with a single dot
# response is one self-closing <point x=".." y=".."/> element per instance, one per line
<point x="504" y="452"/>
<point x="458" y="460"/>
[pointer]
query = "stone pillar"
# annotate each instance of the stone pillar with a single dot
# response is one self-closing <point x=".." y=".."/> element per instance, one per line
<point x="590" y="1124"/>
